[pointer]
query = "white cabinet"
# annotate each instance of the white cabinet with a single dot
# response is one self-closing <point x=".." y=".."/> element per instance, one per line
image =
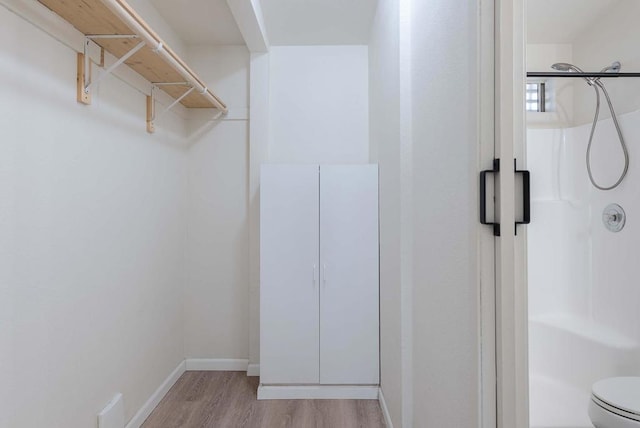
<point x="319" y="320"/>
<point x="289" y="263"/>
<point x="349" y="288"/>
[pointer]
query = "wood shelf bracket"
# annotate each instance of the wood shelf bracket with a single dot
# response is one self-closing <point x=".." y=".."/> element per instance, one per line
<point x="85" y="80"/>
<point x="151" y="111"/>
<point x="84" y="74"/>
<point x="151" y="104"/>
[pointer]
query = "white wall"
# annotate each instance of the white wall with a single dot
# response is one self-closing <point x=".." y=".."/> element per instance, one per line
<point x="258" y="153"/>
<point x="92" y="232"/>
<point x="217" y="289"/>
<point x="424" y="135"/>
<point x="445" y="71"/>
<point x="319" y="104"/>
<point x="384" y="125"/>
<point x="609" y="39"/>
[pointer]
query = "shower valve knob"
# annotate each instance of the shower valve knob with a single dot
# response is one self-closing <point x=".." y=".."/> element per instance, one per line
<point x="614" y="217"/>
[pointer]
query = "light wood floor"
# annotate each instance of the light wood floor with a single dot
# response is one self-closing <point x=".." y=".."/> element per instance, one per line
<point x="228" y="400"/>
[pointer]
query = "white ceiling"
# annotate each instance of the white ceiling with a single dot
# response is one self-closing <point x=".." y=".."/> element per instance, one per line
<point x="318" y="22"/>
<point x="288" y="22"/>
<point x="330" y="22"/>
<point x="561" y="21"/>
<point x="201" y="22"/>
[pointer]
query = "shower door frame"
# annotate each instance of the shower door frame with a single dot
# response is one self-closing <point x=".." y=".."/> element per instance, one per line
<point x="487" y="243"/>
<point x="512" y="372"/>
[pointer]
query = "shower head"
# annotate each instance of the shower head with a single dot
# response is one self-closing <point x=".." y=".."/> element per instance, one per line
<point x="595" y="82"/>
<point x="565" y="66"/>
<point x="613" y="68"/>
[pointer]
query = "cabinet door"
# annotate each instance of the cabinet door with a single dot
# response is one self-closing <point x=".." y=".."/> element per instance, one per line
<point x="349" y="350"/>
<point x="289" y="256"/>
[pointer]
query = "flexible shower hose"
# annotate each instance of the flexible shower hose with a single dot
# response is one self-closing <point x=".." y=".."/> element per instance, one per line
<point x="596" y="83"/>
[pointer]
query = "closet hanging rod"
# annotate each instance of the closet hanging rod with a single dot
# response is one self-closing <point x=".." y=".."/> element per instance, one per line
<point x="111" y="36"/>
<point x="121" y="9"/>
<point x="575" y="75"/>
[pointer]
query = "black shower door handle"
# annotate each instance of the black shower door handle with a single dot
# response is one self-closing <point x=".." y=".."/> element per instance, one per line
<point x="526" y="196"/>
<point x="483" y="196"/>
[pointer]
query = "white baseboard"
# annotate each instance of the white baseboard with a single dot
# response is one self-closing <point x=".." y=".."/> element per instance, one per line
<point x="146" y="409"/>
<point x="253" y="370"/>
<point x="317" y="392"/>
<point x="216" y="364"/>
<point x="385" y="410"/>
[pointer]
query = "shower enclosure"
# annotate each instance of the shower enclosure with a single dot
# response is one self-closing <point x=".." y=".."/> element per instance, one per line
<point x="583" y="260"/>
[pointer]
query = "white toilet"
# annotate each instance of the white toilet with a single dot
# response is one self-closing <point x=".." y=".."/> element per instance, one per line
<point x="615" y="403"/>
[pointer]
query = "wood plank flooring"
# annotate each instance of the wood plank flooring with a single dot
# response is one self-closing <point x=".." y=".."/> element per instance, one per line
<point x="228" y="400"/>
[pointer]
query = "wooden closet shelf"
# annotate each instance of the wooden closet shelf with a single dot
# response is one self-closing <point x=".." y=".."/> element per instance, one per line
<point x="96" y="17"/>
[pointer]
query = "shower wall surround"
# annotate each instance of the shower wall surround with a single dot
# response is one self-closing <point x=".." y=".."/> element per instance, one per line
<point x="576" y="266"/>
<point x="615" y="267"/>
<point x="558" y="237"/>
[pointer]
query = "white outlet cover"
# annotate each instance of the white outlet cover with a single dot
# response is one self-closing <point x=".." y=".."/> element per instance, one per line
<point x="112" y="416"/>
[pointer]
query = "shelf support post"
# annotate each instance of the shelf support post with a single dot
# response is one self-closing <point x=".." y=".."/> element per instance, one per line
<point x="151" y="112"/>
<point x="83" y="70"/>
<point x="151" y="109"/>
<point x="84" y="75"/>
